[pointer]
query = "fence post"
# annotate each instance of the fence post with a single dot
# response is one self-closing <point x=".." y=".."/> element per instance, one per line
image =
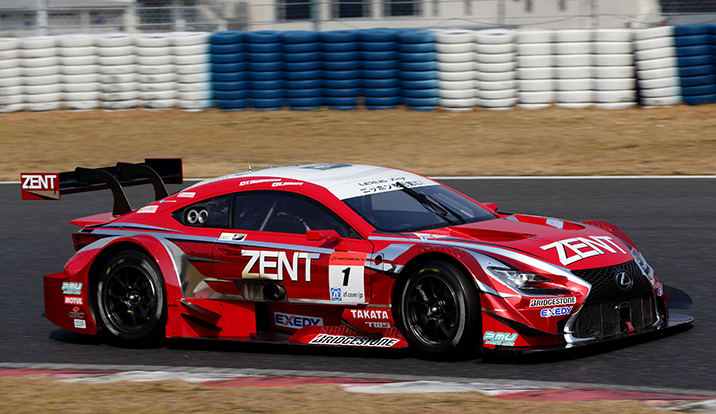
<point x="315" y="14"/>
<point x="42" y="17"/>
<point x="501" y="12"/>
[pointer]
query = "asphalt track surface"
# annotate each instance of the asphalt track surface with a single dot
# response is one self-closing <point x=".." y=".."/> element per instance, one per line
<point x="671" y="220"/>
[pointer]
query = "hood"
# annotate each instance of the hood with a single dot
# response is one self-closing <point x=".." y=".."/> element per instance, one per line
<point x="563" y="243"/>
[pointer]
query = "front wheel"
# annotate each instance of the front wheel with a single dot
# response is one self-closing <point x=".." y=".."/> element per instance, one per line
<point x="439" y="312"/>
<point x="131" y="300"/>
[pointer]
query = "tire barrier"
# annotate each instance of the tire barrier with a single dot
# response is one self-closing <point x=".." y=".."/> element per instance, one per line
<point x="455" y="70"/>
<point x="228" y="57"/>
<point x="694" y="55"/>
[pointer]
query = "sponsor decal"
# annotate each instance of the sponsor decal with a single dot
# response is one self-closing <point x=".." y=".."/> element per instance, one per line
<point x="186" y="194"/>
<point x="40" y="186"/>
<point x="369" y="314"/>
<point x="265" y="260"/>
<point x="499" y="338"/>
<point x="148" y="209"/>
<point x="578" y="248"/>
<point x="346" y="277"/>
<point x="660" y="291"/>
<point x="76" y="314"/>
<point x="281" y="184"/>
<point x="560" y="311"/>
<point x="387" y="184"/>
<point x="555" y="223"/>
<point x="73" y="300"/>
<point x="296" y="321"/>
<point x="232" y="237"/>
<point x="540" y="303"/>
<point x="80" y="323"/>
<point x="265" y="180"/>
<point x="325" y="339"/>
<point x="424" y="236"/>
<point x="72" y="288"/>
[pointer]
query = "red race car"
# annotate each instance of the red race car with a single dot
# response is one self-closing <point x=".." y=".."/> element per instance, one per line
<point x="343" y="255"/>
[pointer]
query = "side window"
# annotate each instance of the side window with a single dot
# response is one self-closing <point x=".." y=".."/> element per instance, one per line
<point x="285" y="213"/>
<point x="213" y="212"/>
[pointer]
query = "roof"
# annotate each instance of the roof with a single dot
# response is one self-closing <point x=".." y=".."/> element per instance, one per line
<point x="343" y="180"/>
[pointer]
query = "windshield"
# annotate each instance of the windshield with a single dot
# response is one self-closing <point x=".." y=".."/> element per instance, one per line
<point x="417" y="208"/>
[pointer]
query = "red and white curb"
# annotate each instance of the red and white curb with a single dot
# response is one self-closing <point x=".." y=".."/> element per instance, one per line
<point x="673" y="402"/>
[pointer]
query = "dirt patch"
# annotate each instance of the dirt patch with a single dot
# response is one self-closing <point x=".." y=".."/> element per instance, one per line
<point x="40" y="394"/>
<point x="556" y="141"/>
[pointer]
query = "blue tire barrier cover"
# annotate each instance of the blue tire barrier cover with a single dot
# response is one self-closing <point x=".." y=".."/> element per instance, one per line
<point x="265" y="66"/>
<point x="304" y="108"/>
<point x="688" y="81"/>
<point x="228" y="67"/>
<point x="380" y="107"/>
<point x="383" y="100"/>
<point x="691" y="29"/>
<point x="304" y="75"/>
<point x="698" y="90"/>
<point x="229" y="76"/>
<point x="417" y="47"/>
<point x="263" y="47"/>
<point x="420" y="84"/>
<point x="300" y="36"/>
<point x="417" y="57"/>
<point x="230" y="86"/>
<point x="339" y="36"/>
<point x="700" y="99"/>
<point x="696" y="70"/>
<point x="378" y="46"/>
<point x="342" y="74"/>
<point x="420" y="93"/>
<point x="302" y="66"/>
<point x="302" y="57"/>
<point x="416" y="36"/>
<point x="378" y="35"/>
<point x="231" y="95"/>
<point x="340" y="56"/>
<point x="692" y="40"/>
<point x="267" y="85"/>
<point x="343" y="84"/>
<point x="418" y="66"/>
<point x="380" y="64"/>
<point x="265" y="57"/>
<point x="387" y="55"/>
<point x="683" y="51"/>
<point x="381" y="83"/>
<point x="348" y="65"/>
<point x="340" y="101"/>
<point x="312" y="101"/>
<point x="301" y="47"/>
<point x="381" y="74"/>
<point x="421" y="101"/>
<point x="229" y="48"/>
<point x="419" y="75"/>
<point x="695" y="60"/>
<point x="231" y="105"/>
<point x="422" y="108"/>
<point x="227" y="57"/>
<point x="268" y="94"/>
<point x="342" y="92"/>
<point x="227" y="37"/>
<point x="263" y="36"/>
<point x="265" y="76"/>
<point x="340" y="47"/>
<point x="303" y="93"/>
<point x="304" y="84"/>
<point x="343" y="107"/>
<point x="381" y="92"/>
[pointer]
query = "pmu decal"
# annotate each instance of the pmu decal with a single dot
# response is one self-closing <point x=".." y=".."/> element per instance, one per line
<point x="296" y="321"/>
<point x="71" y="288"/>
<point x="267" y="259"/>
<point x="40" y="186"/>
<point x="499" y="338"/>
<point x="583" y="247"/>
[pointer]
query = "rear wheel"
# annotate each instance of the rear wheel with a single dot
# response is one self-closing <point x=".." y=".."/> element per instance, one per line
<point x="439" y="312"/>
<point x="131" y="300"/>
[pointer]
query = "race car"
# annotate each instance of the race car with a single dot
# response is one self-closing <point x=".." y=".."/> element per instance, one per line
<point x="343" y="255"/>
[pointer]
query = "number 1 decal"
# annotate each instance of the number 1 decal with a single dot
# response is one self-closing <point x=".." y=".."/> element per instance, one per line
<point x="346" y="277"/>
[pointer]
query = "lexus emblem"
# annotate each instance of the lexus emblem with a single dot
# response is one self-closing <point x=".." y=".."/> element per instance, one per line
<point x="624" y="281"/>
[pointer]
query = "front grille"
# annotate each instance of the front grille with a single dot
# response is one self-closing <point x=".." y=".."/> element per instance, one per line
<point x="608" y="310"/>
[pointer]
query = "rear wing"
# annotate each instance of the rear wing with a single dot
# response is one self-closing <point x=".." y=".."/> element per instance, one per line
<point x="155" y="171"/>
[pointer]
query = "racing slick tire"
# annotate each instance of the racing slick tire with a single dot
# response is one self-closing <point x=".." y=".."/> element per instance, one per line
<point x="439" y="312"/>
<point x="130" y="299"/>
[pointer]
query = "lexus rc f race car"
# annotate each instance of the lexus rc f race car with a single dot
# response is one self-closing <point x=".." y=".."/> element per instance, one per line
<point x="343" y="255"/>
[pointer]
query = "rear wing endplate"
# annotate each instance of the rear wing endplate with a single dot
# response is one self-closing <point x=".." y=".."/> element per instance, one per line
<point x="155" y="171"/>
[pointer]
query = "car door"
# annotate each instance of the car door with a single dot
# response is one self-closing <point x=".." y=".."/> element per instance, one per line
<point x="291" y="241"/>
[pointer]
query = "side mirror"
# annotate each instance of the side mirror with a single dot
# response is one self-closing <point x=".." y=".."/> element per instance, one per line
<point x="491" y="205"/>
<point x="327" y="236"/>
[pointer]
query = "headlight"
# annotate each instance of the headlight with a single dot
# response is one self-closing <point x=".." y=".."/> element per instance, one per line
<point x="643" y="265"/>
<point x="527" y="282"/>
